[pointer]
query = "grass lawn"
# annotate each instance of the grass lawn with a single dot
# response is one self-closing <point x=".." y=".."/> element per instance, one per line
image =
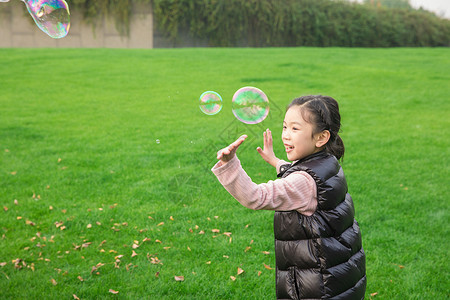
<point x="105" y="164"/>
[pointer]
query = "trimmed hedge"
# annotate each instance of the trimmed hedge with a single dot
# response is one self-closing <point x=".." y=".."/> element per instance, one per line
<point x="262" y="23"/>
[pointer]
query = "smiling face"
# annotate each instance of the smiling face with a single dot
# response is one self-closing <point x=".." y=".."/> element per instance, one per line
<point x="298" y="138"/>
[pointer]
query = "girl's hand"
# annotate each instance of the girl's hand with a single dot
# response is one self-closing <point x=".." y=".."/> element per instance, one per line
<point x="267" y="153"/>
<point x="226" y="154"/>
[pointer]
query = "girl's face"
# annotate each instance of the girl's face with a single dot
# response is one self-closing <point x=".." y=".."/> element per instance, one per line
<point x="297" y="136"/>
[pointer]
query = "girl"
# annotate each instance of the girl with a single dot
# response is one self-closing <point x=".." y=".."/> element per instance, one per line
<point x="318" y="246"/>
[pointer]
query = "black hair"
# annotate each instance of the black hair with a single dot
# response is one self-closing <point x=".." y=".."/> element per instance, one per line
<point x="323" y="113"/>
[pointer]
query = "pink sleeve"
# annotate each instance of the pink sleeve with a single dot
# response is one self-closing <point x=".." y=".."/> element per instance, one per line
<point x="294" y="192"/>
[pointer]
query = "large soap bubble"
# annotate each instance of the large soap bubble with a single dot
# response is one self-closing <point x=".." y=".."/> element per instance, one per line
<point x="51" y="16"/>
<point x="210" y="103"/>
<point x="250" y="105"/>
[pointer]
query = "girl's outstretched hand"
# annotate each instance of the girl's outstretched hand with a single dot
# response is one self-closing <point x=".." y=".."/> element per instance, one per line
<point x="227" y="153"/>
<point x="267" y="153"/>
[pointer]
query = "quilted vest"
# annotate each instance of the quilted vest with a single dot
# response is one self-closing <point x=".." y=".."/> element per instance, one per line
<point x="320" y="256"/>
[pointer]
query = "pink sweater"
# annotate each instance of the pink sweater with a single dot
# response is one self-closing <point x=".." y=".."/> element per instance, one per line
<point x="294" y="192"/>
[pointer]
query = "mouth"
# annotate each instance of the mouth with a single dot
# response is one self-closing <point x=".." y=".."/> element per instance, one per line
<point x="289" y="148"/>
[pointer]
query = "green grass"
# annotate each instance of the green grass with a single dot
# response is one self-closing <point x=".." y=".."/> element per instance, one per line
<point x="79" y="131"/>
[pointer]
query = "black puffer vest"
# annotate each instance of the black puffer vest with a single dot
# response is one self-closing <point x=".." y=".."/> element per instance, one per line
<point x="320" y="256"/>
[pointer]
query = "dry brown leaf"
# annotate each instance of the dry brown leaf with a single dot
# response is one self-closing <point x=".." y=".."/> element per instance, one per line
<point x="98" y="223"/>
<point x="201" y="232"/>
<point x="189" y="248"/>
<point x="134" y="254"/>
<point x="50" y="207"/>
<point x="5" y="208"/>
<point x="19" y="218"/>
<point x="113" y="291"/>
<point x="158" y="241"/>
<point x="171" y="218"/>
<point x="16" y="202"/>
<point x="247" y="248"/>
<point x="239" y="271"/>
<point x="267" y="267"/>
<point x="157" y="274"/>
<point x="146" y="240"/>
<point x="179" y="278"/>
<point x="259" y="273"/>
<point x="208" y="262"/>
<point x="2" y="264"/>
<point x="160" y="224"/>
<point x="215" y="230"/>
<point x="80" y="278"/>
<point x="233" y="278"/>
<point x="75" y="297"/>
<point x="135" y="246"/>
<point x="228" y="234"/>
<point x="53" y="281"/>
<point x="85" y="245"/>
<point x="266" y="252"/>
<point x="373" y="294"/>
<point x="89" y="226"/>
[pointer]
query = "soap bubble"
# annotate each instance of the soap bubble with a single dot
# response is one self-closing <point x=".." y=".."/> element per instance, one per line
<point x="51" y="16"/>
<point x="250" y="105"/>
<point x="210" y="103"/>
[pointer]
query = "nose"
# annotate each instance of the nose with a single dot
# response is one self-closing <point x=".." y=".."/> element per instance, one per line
<point x="285" y="135"/>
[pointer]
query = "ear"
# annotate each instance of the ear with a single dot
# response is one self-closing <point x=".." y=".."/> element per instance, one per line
<point x="322" y="138"/>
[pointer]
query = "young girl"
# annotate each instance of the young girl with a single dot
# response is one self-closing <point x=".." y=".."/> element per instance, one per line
<point x="318" y="246"/>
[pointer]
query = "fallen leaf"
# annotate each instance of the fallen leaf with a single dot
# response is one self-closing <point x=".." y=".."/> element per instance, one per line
<point x="201" y="232"/>
<point x="208" y="262"/>
<point x="158" y="241"/>
<point x="171" y="218"/>
<point x="135" y="246"/>
<point x="98" y="223"/>
<point x="267" y="267"/>
<point x="259" y="273"/>
<point x="16" y="202"/>
<point x="146" y="240"/>
<point x="134" y="254"/>
<point x="215" y="230"/>
<point x="239" y="271"/>
<point x="160" y="224"/>
<point x="233" y="278"/>
<point x="2" y="264"/>
<point x="266" y="252"/>
<point x="373" y="294"/>
<point x="75" y="297"/>
<point x="89" y="226"/>
<point x="80" y="278"/>
<point x="247" y="248"/>
<point x="228" y="234"/>
<point x="5" y="208"/>
<point x="179" y="278"/>
<point x="157" y="274"/>
<point x="53" y="281"/>
<point x="113" y="291"/>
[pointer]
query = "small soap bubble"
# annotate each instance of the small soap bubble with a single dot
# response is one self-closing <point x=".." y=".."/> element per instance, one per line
<point x="51" y="16"/>
<point x="158" y="141"/>
<point x="250" y="105"/>
<point x="210" y="103"/>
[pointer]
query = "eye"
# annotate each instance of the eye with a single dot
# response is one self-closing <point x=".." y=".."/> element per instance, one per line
<point x="295" y="128"/>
